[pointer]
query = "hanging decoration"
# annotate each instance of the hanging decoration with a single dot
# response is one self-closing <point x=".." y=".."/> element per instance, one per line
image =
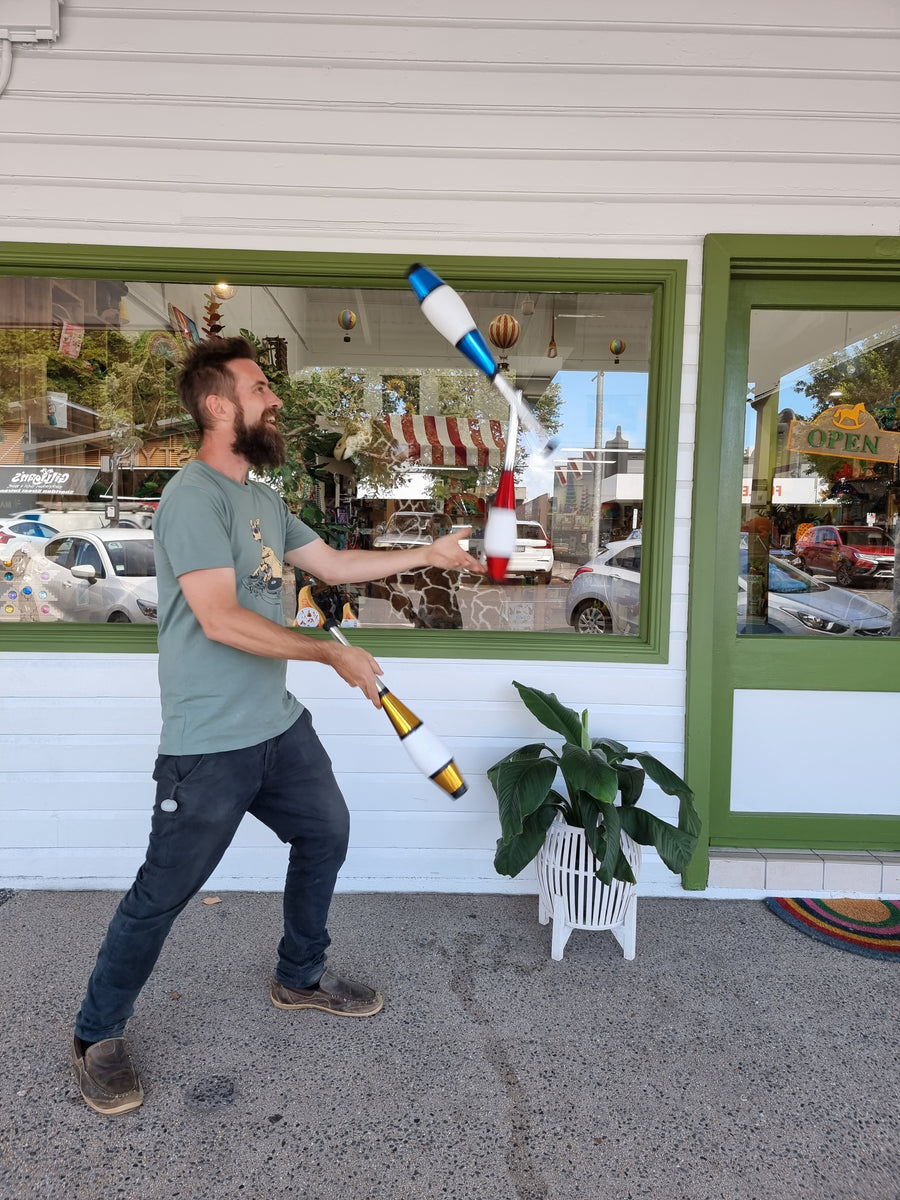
<point x="551" y="349"/>
<point x="347" y="321"/>
<point x="213" y="326"/>
<point x="616" y="347"/>
<point x="504" y="333"/>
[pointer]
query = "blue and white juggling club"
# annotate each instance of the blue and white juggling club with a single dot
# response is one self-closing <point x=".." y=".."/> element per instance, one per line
<point x="445" y="310"/>
<point x="425" y="748"/>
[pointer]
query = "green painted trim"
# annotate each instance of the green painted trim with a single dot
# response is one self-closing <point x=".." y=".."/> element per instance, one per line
<point x="663" y="279"/>
<point x="821" y="831"/>
<point x="741" y="271"/>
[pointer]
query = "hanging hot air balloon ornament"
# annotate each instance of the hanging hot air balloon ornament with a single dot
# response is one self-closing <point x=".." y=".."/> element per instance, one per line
<point x="347" y="321"/>
<point x="616" y="347"/>
<point x="504" y="333"/>
<point x="425" y="748"/>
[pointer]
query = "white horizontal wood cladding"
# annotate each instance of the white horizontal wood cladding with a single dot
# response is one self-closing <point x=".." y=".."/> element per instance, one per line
<point x="453" y="123"/>
<point x="78" y="739"/>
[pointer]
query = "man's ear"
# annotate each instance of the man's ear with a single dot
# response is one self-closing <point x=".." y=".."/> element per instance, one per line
<point x="218" y="407"/>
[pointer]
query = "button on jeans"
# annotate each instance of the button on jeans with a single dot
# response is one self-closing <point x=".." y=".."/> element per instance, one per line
<point x="288" y="784"/>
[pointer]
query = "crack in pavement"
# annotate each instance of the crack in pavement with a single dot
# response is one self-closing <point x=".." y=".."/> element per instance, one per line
<point x="525" y="1178"/>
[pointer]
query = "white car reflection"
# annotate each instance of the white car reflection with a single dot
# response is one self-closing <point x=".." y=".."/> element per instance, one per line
<point x="94" y="575"/>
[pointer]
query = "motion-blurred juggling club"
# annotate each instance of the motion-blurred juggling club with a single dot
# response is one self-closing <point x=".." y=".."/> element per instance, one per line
<point x="426" y="750"/>
<point x="447" y="312"/>
<point x="500" y="527"/>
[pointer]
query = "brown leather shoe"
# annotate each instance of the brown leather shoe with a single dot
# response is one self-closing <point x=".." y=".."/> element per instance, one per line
<point x="342" y="997"/>
<point x="106" y="1075"/>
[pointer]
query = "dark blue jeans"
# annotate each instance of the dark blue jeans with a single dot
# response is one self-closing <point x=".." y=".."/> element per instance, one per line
<point x="288" y="784"/>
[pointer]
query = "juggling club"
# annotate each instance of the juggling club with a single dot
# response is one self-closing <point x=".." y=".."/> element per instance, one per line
<point x="425" y="748"/>
<point x="445" y="309"/>
<point x="500" y="528"/>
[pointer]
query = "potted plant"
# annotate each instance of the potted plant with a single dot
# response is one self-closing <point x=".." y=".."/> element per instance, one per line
<point x="588" y="840"/>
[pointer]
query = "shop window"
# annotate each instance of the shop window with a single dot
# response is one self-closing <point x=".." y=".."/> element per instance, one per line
<point x="819" y="519"/>
<point x="395" y="441"/>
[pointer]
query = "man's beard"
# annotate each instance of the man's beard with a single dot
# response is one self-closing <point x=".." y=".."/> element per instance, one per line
<point x="262" y="446"/>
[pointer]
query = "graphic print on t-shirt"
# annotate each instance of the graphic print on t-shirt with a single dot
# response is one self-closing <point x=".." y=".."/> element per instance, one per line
<point x="265" y="581"/>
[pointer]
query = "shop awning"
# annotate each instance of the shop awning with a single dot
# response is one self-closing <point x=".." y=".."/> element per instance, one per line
<point x="448" y="441"/>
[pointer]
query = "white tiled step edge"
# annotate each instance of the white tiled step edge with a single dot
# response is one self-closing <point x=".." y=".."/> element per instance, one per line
<point x="777" y="872"/>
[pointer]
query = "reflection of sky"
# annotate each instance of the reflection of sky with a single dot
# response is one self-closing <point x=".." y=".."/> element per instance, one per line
<point x="624" y="404"/>
<point x="787" y="398"/>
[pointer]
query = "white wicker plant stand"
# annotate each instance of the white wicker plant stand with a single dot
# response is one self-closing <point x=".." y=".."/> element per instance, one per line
<point x="570" y="892"/>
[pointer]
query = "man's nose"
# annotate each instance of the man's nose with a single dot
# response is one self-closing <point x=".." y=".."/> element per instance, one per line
<point x="275" y="401"/>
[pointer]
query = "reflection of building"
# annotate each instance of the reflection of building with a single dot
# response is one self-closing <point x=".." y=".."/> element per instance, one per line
<point x="584" y="483"/>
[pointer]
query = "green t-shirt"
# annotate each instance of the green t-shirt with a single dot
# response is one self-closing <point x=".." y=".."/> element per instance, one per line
<point x="215" y="697"/>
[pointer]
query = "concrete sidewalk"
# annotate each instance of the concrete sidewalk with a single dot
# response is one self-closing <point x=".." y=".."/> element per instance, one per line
<point x="733" y="1059"/>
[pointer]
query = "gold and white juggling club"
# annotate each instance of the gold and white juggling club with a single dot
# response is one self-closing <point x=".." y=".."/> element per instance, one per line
<point x="425" y="748"/>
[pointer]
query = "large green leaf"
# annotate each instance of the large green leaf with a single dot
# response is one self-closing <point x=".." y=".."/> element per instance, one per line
<point x="607" y="861"/>
<point x="512" y="856"/>
<point x="614" y="751"/>
<point x="674" y="846"/>
<point x="631" y="783"/>
<point x="587" y="771"/>
<point x="521" y="786"/>
<point x="667" y="780"/>
<point x="551" y="712"/>
<point x="622" y="869"/>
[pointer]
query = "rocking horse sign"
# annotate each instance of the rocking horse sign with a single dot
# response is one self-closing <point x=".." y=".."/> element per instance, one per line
<point x="845" y="431"/>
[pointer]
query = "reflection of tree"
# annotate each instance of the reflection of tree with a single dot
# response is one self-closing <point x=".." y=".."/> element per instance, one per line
<point x="866" y="374"/>
<point x="116" y="377"/>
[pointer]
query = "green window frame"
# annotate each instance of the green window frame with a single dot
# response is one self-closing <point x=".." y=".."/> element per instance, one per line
<point x="742" y="273"/>
<point x="663" y="279"/>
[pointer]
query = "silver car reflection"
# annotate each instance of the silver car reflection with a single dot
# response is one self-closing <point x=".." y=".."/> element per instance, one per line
<point x="93" y="575"/>
<point x="605" y="595"/>
<point x="799" y="603"/>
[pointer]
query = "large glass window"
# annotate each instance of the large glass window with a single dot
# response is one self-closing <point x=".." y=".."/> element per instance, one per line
<point x="393" y="440"/>
<point x="819" y="518"/>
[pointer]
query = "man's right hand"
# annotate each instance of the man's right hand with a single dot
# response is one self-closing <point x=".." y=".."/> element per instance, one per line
<point x="357" y="667"/>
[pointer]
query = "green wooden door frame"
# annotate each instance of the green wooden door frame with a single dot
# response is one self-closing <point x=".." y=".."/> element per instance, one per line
<point x="739" y="273"/>
<point x="663" y="279"/>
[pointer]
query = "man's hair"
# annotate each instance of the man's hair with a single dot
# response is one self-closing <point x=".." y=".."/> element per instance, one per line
<point x="204" y="372"/>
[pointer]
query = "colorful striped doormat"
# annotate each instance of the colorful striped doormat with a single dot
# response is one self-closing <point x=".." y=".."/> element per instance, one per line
<point x="868" y="927"/>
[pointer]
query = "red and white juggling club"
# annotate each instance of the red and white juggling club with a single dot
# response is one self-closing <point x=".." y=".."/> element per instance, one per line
<point x="425" y="748"/>
<point x="500" y="528"/>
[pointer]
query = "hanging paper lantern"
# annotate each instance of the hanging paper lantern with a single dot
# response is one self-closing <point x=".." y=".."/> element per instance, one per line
<point x="616" y="347"/>
<point x="347" y="321"/>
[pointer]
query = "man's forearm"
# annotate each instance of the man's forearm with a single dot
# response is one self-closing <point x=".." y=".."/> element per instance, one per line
<point x="245" y="630"/>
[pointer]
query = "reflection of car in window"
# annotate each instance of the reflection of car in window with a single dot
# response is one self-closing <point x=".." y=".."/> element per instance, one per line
<point x="95" y="575"/>
<point x="798" y="604"/>
<point x="604" y="596"/>
<point x="852" y="553"/>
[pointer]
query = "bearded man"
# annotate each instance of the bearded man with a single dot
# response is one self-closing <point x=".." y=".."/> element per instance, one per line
<point x="234" y="739"/>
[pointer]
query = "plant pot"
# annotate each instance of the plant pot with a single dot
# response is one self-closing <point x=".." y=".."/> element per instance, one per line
<point x="570" y="892"/>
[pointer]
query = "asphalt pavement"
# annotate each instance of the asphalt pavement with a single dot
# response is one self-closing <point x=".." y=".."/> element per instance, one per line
<point x="733" y="1059"/>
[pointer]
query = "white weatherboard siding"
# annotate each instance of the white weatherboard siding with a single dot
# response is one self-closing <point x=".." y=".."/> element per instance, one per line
<point x="417" y="128"/>
<point x="80" y="734"/>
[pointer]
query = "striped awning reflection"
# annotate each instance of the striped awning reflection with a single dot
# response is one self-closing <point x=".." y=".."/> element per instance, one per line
<point x="448" y="441"/>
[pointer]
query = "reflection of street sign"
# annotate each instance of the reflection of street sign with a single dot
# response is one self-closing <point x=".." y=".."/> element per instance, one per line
<point x="46" y="481"/>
